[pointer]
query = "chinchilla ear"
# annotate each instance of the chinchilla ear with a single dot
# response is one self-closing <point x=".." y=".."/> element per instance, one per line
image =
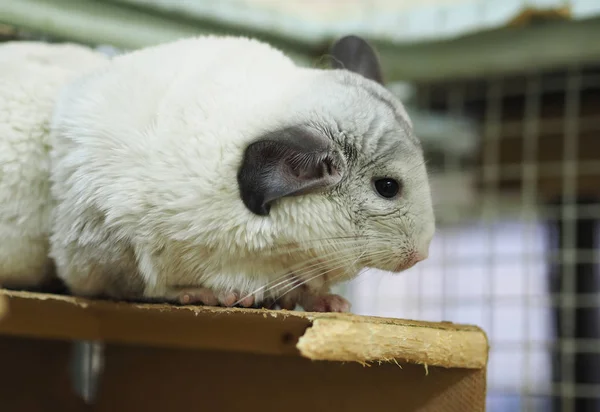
<point x="288" y="162"/>
<point x="353" y="53"/>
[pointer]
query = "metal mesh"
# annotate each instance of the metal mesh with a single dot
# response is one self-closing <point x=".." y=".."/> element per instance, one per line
<point x="519" y="258"/>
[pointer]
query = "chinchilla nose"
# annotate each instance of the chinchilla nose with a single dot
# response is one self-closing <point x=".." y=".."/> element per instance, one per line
<point x="413" y="257"/>
<point x="418" y="257"/>
<point x="422" y="253"/>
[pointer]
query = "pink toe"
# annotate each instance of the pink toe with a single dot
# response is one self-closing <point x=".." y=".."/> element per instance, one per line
<point x="228" y="299"/>
<point x="328" y="303"/>
<point x="247" y="301"/>
<point x="210" y="299"/>
<point x="320" y="305"/>
<point x="339" y="304"/>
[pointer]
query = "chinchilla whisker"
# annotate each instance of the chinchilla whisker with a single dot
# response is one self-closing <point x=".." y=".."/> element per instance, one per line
<point x="285" y="249"/>
<point x="289" y="275"/>
<point x="371" y="238"/>
<point x="305" y="281"/>
<point x="330" y="269"/>
<point x="317" y="266"/>
<point x="326" y="264"/>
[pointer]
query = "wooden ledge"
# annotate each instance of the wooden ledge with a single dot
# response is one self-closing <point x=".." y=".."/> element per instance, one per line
<point x="3" y="306"/>
<point x="317" y="336"/>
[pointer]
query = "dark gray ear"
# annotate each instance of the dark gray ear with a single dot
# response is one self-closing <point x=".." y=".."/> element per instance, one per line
<point x="355" y="54"/>
<point x="288" y="162"/>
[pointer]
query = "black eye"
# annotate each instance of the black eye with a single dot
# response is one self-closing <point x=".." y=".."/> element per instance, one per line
<point x="387" y="187"/>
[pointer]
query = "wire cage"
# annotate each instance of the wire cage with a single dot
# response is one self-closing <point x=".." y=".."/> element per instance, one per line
<point x="516" y="247"/>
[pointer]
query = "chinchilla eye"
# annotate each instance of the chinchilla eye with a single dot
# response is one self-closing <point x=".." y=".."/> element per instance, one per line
<point x="387" y="187"/>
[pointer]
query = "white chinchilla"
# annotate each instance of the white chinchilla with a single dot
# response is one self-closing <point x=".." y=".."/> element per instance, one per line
<point x="31" y="74"/>
<point x="214" y="170"/>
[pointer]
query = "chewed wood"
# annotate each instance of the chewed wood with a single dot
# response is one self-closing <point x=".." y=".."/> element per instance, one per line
<point x="318" y="336"/>
<point x="339" y="340"/>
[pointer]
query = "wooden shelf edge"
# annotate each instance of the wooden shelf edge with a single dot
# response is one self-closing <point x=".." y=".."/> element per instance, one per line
<point x="332" y="337"/>
<point x="3" y="306"/>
